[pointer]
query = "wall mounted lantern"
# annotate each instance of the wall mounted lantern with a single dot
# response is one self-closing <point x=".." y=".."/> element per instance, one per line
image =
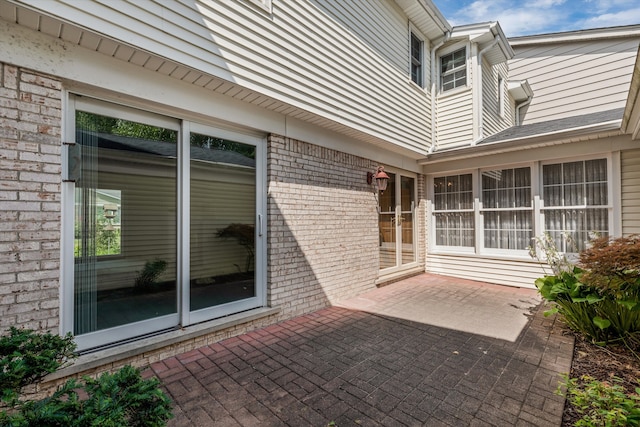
<point x="381" y="179"/>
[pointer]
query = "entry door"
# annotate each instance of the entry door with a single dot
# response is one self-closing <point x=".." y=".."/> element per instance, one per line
<point x="396" y="222"/>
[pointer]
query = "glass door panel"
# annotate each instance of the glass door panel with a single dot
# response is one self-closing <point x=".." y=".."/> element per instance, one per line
<point x="407" y="206"/>
<point x="222" y="228"/>
<point x="125" y="225"/>
<point x="396" y="222"/>
<point x="387" y="224"/>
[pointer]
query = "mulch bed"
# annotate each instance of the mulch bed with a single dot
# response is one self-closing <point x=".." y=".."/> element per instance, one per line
<point x="602" y="363"/>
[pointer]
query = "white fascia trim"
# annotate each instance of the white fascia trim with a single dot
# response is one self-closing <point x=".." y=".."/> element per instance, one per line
<point x="580" y="35"/>
<point x="631" y="116"/>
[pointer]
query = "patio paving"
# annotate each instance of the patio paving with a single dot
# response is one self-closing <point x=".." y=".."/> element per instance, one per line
<point x="425" y="351"/>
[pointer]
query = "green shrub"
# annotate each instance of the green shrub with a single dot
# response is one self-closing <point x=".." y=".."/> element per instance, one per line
<point x="26" y="357"/>
<point x="601" y="297"/>
<point x="120" y="399"/>
<point x="147" y="278"/>
<point x="602" y="404"/>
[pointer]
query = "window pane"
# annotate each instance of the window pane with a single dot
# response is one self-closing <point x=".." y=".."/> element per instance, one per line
<point x="552" y="174"/>
<point x="223" y="211"/>
<point x="131" y="168"/>
<point x="455" y="229"/>
<point x="573" y="172"/>
<point x="453" y="71"/>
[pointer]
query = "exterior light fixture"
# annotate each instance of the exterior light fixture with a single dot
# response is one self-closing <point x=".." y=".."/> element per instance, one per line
<point x="381" y="179"/>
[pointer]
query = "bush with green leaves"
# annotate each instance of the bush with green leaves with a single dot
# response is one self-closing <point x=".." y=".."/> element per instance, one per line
<point x="601" y="403"/>
<point x="122" y="398"/>
<point x="600" y="298"/>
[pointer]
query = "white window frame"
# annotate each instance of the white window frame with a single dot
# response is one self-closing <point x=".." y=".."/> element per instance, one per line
<point x="432" y="212"/>
<point x="450" y="51"/>
<point x="480" y="224"/>
<point x="538" y="208"/>
<point x="183" y="316"/>
<point x="414" y="34"/>
<point x="611" y="195"/>
<point x="501" y="96"/>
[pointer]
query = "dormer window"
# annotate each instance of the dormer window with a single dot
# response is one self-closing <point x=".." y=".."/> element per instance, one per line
<point x="453" y="70"/>
<point x="416" y="60"/>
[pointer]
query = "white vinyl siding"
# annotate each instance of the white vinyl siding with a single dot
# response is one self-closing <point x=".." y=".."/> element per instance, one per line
<point x="454" y="120"/>
<point x="522" y="273"/>
<point x="494" y="105"/>
<point x="574" y="78"/>
<point x="316" y="58"/>
<point x="630" y="165"/>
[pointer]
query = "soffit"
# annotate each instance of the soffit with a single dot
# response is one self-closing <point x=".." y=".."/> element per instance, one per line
<point x="426" y="17"/>
<point x="71" y="33"/>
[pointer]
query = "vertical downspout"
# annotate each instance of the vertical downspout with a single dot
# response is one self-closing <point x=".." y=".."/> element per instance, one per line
<point x="434" y="136"/>
<point x="523" y="104"/>
<point x="479" y="83"/>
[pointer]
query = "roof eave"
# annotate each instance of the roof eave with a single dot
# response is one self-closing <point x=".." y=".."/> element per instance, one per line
<point x="610" y="128"/>
<point x="631" y="116"/>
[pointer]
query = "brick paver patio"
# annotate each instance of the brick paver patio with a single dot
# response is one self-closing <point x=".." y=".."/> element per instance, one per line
<point x="364" y="368"/>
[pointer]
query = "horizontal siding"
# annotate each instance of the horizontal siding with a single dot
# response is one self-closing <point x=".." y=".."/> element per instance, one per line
<point x="219" y="197"/>
<point x="454" y="120"/>
<point x="570" y="79"/>
<point x="316" y="56"/>
<point x="630" y="165"/>
<point x="492" y="121"/>
<point x="504" y="272"/>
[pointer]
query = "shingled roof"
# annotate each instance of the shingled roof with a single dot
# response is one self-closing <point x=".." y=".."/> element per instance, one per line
<point x="554" y="126"/>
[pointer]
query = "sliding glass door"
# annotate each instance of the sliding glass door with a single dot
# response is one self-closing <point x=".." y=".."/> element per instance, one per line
<point x="165" y="224"/>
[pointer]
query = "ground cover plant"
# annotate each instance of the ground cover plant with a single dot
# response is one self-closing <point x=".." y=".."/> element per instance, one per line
<point x="122" y="398"/>
<point x="598" y="297"/>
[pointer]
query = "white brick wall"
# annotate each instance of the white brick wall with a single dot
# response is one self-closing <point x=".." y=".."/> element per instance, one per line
<point x="323" y="226"/>
<point x="30" y="112"/>
<point x="323" y="222"/>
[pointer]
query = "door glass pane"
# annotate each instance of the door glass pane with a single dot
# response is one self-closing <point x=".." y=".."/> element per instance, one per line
<point x="387" y="224"/>
<point x="407" y="204"/>
<point x="125" y="223"/>
<point x="223" y="212"/>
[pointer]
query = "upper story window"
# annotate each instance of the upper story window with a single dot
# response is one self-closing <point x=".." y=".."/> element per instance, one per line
<point x="416" y="60"/>
<point x="453" y="70"/>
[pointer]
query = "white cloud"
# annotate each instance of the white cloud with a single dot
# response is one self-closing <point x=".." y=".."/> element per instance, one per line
<point x="624" y="17"/>
<point x="525" y="19"/>
<point x="544" y="16"/>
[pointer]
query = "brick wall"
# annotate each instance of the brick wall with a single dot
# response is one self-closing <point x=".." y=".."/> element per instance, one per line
<point x="323" y="226"/>
<point x="30" y="117"/>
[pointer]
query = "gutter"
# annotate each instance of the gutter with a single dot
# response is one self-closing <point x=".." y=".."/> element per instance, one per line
<point x="495" y="41"/>
<point x="522" y="104"/>
<point x="434" y="132"/>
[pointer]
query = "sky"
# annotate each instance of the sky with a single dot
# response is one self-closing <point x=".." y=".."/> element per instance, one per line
<point x="520" y="18"/>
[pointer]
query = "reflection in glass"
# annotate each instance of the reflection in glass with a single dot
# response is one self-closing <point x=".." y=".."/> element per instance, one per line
<point x="223" y="211"/>
<point x="387" y="224"/>
<point x="407" y="204"/>
<point x="125" y="223"/>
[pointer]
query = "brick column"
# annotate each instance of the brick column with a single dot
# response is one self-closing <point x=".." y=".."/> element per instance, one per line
<point x="30" y="119"/>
